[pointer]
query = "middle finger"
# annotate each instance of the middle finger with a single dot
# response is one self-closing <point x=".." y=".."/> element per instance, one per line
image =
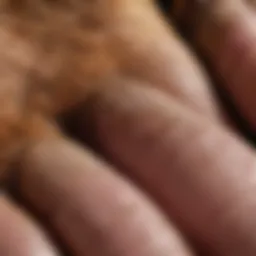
<point x="94" y="210"/>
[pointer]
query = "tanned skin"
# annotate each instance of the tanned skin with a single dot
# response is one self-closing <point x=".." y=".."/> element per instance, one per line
<point x="54" y="54"/>
<point x="224" y="32"/>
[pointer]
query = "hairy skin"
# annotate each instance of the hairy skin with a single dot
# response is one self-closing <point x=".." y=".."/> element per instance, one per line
<point x="54" y="53"/>
<point x="173" y="164"/>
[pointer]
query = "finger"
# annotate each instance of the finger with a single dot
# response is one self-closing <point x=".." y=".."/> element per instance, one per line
<point x="94" y="210"/>
<point x="102" y="41"/>
<point x="225" y="33"/>
<point x="20" y="236"/>
<point x="202" y="175"/>
<point x="150" y="50"/>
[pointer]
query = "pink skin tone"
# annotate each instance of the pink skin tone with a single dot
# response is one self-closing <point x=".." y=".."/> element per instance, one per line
<point x="168" y="177"/>
<point x="226" y="36"/>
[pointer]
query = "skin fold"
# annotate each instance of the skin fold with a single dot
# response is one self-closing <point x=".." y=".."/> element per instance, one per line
<point x="224" y="33"/>
<point x="54" y="53"/>
<point x="167" y="175"/>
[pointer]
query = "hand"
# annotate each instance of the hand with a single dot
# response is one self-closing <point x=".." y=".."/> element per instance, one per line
<point x="171" y="163"/>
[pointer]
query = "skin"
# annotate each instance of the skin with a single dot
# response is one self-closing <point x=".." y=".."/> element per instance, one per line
<point x="169" y="177"/>
<point x="224" y="33"/>
<point x="54" y="53"/>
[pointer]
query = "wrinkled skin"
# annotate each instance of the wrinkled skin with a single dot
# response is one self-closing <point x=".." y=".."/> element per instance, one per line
<point x="224" y="32"/>
<point x="53" y="53"/>
<point x="169" y="175"/>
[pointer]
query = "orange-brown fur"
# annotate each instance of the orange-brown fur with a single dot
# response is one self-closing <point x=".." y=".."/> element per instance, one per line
<point x="53" y="53"/>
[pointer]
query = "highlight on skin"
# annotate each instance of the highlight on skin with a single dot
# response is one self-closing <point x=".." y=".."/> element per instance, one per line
<point x="224" y="32"/>
<point x="54" y="53"/>
<point x="176" y="165"/>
